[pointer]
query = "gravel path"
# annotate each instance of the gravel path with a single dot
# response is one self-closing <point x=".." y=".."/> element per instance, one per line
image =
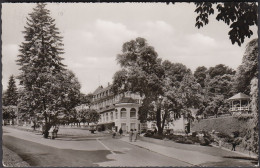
<point x="11" y="159"/>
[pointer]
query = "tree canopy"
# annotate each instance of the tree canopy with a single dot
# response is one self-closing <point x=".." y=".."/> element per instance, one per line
<point x="220" y="70"/>
<point x="161" y="84"/>
<point x="239" y="16"/>
<point x="200" y="74"/>
<point x="248" y="69"/>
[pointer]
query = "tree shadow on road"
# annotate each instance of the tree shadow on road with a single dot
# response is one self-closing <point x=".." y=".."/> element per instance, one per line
<point x="45" y="156"/>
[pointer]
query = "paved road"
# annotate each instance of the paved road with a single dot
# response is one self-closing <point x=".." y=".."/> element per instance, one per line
<point x="88" y="152"/>
<point x="105" y="151"/>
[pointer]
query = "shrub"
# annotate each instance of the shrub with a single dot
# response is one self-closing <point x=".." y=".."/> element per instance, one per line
<point x="209" y="137"/>
<point x="156" y="136"/>
<point x="194" y="134"/>
<point x="236" y="134"/>
<point x="174" y="137"/>
<point x="189" y="142"/>
<point x="143" y="131"/>
<point x="194" y="139"/>
<point x="223" y="135"/>
<point x="204" y="141"/>
<point x="184" y="140"/>
<point x="148" y="134"/>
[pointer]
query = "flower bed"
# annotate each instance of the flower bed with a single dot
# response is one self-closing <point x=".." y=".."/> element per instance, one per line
<point x="203" y="138"/>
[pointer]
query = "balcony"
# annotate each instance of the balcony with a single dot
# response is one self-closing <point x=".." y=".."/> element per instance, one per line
<point x="234" y="109"/>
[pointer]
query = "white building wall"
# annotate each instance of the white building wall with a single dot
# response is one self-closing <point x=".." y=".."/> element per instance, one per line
<point x="177" y="125"/>
<point x="127" y="121"/>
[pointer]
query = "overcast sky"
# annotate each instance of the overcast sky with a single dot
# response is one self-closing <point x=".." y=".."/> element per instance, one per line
<point x="94" y="35"/>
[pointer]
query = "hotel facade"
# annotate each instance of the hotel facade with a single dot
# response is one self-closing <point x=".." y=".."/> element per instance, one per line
<point x="121" y="111"/>
<point x="117" y="111"/>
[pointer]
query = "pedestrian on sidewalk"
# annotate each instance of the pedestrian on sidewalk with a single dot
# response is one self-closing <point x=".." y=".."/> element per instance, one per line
<point x="233" y="146"/>
<point x="113" y="133"/>
<point x="220" y="143"/>
<point x="131" y="135"/>
<point x="135" y="135"/>
<point x="120" y="132"/>
<point x="155" y="131"/>
<point x="51" y="131"/>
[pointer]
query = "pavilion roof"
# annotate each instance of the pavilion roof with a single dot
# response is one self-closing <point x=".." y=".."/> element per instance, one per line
<point x="239" y="96"/>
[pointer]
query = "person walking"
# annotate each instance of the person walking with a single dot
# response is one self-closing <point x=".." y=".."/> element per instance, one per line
<point x="120" y="132"/>
<point x="233" y="146"/>
<point x="51" y="131"/>
<point x="135" y="135"/>
<point x="131" y="135"/>
<point x="155" y="131"/>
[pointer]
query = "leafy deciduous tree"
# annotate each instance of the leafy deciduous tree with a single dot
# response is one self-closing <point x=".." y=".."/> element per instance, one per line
<point x="220" y="70"/>
<point x="9" y="112"/>
<point x="239" y="15"/>
<point x="248" y="69"/>
<point x="200" y="75"/>
<point x="251" y="138"/>
<point x="159" y="83"/>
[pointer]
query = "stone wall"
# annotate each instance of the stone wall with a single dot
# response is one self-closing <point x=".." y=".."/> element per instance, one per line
<point x="221" y="124"/>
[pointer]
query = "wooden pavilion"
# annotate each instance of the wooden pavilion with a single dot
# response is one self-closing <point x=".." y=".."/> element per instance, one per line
<point x="239" y="103"/>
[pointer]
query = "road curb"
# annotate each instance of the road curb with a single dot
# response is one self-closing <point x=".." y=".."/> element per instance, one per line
<point x="151" y="140"/>
<point x="237" y="152"/>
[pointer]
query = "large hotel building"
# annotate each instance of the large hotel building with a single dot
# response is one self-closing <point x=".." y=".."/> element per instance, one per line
<point x="121" y="111"/>
<point x="118" y="111"/>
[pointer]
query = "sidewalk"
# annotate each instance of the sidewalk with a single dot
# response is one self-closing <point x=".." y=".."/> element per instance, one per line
<point x="191" y="157"/>
<point x="64" y="131"/>
<point x="251" y="155"/>
<point x="194" y="155"/>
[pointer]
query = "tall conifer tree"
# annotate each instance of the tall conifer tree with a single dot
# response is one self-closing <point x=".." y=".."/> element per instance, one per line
<point x="41" y="67"/>
<point x="11" y="95"/>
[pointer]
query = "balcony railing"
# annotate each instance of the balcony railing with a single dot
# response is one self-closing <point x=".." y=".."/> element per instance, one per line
<point x="239" y="109"/>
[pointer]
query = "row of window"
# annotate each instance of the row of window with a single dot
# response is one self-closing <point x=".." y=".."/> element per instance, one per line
<point x="107" y="102"/>
<point x="110" y="102"/>
<point x="103" y="94"/>
<point x="124" y="127"/>
<point x="123" y="113"/>
<point x="108" y="93"/>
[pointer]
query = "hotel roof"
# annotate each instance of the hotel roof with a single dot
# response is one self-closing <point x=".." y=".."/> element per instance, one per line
<point x="100" y="89"/>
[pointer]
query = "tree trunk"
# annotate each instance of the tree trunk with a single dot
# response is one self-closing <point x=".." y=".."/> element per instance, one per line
<point x="45" y="129"/>
<point x="158" y="121"/>
<point x="34" y="126"/>
<point x="164" y="119"/>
